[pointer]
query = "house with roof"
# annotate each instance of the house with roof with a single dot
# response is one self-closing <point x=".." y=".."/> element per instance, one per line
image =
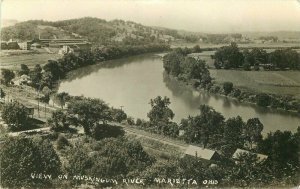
<point x="238" y="152"/>
<point x="202" y="153"/>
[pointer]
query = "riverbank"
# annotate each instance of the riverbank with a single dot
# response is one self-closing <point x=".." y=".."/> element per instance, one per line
<point x="190" y="85"/>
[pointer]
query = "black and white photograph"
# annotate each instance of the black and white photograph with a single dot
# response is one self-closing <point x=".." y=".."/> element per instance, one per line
<point x="136" y="94"/>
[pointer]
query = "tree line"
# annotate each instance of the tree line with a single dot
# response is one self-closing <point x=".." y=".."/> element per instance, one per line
<point x="231" y="57"/>
<point x="48" y="74"/>
<point x="178" y="64"/>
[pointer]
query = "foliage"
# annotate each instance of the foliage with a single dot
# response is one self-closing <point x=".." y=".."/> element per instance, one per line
<point x="15" y="115"/>
<point x="7" y="76"/>
<point x="20" y="157"/>
<point x="61" y="98"/>
<point x="118" y="115"/>
<point x="87" y="113"/>
<point x="24" y="70"/>
<point x="233" y="129"/>
<point x="59" y="121"/>
<point x="160" y="110"/>
<point x="205" y="128"/>
<point x="228" y="57"/>
<point x="106" y="131"/>
<point x="263" y="100"/>
<point x="2" y="93"/>
<point x="227" y="87"/>
<point x="283" y="151"/>
<point x="252" y="131"/>
<point x="62" y="142"/>
<point x="178" y="64"/>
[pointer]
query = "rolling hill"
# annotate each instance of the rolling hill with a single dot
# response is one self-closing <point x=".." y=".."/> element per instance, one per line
<point x="97" y="31"/>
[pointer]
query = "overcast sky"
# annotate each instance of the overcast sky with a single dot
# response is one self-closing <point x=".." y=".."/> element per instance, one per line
<point x="193" y="15"/>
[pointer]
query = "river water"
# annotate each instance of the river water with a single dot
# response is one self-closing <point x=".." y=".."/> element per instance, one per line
<point x="132" y="82"/>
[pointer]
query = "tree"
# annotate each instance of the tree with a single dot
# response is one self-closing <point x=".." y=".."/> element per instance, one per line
<point x="283" y="151"/>
<point x="227" y="87"/>
<point x="61" y="98"/>
<point x="87" y="112"/>
<point x="106" y="131"/>
<point x="62" y="142"/>
<point x="252" y="131"/>
<point x="120" y="157"/>
<point x="59" y="121"/>
<point x="118" y="115"/>
<point x="228" y="57"/>
<point x="263" y="100"/>
<point x="7" y="76"/>
<point x="172" y="63"/>
<point x="22" y="157"/>
<point x="53" y="68"/>
<point x="36" y="76"/>
<point x="233" y="129"/>
<point x="2" y="93"/>
<point x="15" y="115"/>
<point x="249" y="171"/>
<point x="160" y="110"/>
<point x="24" y="70"/>
<point x="196" y="49"/>
<point x="206" y="128"/>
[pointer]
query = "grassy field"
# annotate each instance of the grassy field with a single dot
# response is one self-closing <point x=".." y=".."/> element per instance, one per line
<point x="276" y="82"/>
<point x="30" y="59"/>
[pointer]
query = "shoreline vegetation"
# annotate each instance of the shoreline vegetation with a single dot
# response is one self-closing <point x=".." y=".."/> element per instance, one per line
<point x="178" y="65"/>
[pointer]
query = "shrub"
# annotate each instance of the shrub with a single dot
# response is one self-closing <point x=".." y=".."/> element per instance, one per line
<point x="138" y="122"/>
<point x="130" y="120"/>
<point x="62" y="142"/>
<point x="227" y="87"/>
<point x="263" y="100"/>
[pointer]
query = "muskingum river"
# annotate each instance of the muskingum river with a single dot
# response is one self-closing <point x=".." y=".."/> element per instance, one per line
<point x="132" y="82"/>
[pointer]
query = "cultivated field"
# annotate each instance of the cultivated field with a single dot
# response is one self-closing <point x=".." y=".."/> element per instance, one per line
<point x="30" y="59"/>
<point x="276" y="82"/>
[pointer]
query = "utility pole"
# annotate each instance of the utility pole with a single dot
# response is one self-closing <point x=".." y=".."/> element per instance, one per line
<point x="121" y="107"/>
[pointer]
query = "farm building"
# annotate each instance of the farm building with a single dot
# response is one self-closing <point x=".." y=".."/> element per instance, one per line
<point x="203" y="153"/>
<point x="238" y="152"/>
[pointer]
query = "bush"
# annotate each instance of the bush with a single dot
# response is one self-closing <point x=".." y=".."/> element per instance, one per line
<point x="236" y="93"/>
<point x="15" y="115"/>
<point x="138" y="122"/>
<point x="62" y="142"/>
<point x="263" y="100"/>
<point x="106" y="131"/>
<point x="130" y="120"/>
<point x="227" y="87"/>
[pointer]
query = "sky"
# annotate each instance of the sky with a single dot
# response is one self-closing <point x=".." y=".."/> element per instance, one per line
<point x="215" y="16"/>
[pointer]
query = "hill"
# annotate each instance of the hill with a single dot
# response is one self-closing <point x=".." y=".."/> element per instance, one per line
<point x="97" y="31"/>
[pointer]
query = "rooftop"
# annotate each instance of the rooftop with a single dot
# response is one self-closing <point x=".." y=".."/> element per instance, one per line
<point x="199" y="152"/>
<point x="261" y="157"/>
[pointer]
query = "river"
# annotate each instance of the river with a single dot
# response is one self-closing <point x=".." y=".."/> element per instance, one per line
<point x="132" y="82"/>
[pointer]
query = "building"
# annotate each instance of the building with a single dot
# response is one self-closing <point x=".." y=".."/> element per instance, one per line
<point x="203" y="153"/>
<point x="238" y="152"/>
<point x="65" y="50"/>
<point x="25" y="45"/>
<point x="36" y="46"/>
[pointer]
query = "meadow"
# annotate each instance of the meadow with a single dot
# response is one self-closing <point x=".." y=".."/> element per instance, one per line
<point x="274" y="82"/>
<point x="31" y="59"/>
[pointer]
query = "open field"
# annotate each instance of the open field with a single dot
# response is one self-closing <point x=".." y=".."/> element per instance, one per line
<point x="176" y="44"/>
<point x="276" y="82"/>
<point x="30" y="59"/>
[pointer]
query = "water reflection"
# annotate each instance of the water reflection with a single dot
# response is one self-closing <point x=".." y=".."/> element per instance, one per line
<point x="132" y="82"/>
